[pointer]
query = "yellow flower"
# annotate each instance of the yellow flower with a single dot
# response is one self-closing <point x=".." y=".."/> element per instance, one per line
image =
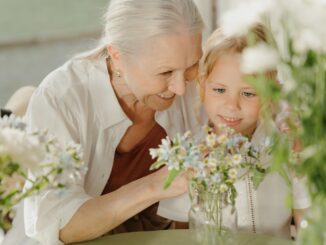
<point x="223" y="188"/>
<point x="211" y="140"/>
<point x="222" y="138"/>
<point x="187" y="134"/>
<point x="232" y="173"/>
<point x="236" y="159"/>
<point x="212" y="162"/>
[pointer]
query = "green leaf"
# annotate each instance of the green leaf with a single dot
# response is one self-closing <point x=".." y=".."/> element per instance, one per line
<point x="157" y="165"/>
<point x="11" y="168"/>
<point x="258" y="177"/>
<point x="311" y="58"/>
<point x="169" y="179"/>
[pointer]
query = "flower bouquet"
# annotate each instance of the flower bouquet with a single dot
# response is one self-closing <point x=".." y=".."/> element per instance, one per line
<point x="215" y="163"/>
<point x="30" y="162"/>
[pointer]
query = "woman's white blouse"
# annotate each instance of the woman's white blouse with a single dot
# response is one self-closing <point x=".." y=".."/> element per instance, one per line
<point x="265" y="210"/>
<point x="77" y="103"/>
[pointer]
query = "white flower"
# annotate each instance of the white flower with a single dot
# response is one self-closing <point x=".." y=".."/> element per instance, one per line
<point x="153" y="153"/>
<point x="187" y="134"/>
<point x="211" y="140"/>
<point x="307" y="40"/>
<point x="222" y="138"/>
<point x="286" y="79"/>
<point x="236" y="159"/>
<point x="299" y="21"/>
<point x="223" y="188"/>
<point x="21" y="147"/>
<point x="259" y="58"/>
<point x="212" y="162"/>
<point x="232" y="173"/>
<point x="238" y="21"/>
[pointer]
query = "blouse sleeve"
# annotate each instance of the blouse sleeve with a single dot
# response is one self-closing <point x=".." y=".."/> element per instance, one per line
<point x="50" y="210"/>
<point x="176" y="208"/>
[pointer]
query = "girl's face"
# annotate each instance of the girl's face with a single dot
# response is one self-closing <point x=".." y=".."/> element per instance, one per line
<point x="161" y="69"/>
<point x="228" y="99"/>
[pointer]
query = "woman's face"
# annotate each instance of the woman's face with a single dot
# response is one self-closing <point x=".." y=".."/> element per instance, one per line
<point x="159" y="71"/>
<point x="228" y="99"/>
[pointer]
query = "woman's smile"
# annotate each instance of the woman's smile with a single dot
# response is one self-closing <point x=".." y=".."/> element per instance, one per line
<point x="166" y="96"/>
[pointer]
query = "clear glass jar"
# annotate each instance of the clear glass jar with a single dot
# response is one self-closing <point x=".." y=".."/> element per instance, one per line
<point x="212" y="218"/>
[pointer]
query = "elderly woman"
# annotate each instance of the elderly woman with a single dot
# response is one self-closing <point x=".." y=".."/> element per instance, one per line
<point x="117" y="101"/>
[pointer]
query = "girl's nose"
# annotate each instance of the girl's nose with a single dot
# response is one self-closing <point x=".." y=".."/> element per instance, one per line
<point x="233" y="102"/>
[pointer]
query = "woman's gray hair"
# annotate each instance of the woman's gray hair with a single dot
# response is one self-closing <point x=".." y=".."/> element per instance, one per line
<point x="129" y="23"/>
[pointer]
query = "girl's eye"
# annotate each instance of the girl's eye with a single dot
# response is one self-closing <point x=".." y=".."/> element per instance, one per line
<point x="248" y="94"/>
<point x="166" y="73"/>
<point x="219" y="90"/>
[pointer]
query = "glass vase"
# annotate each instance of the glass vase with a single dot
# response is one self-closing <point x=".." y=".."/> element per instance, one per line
<point x="212" y="218"/>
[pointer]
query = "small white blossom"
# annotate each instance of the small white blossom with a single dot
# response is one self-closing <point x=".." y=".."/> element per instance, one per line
<point x="211" y="140"/>
<point x="223" y="188"/>
<point x="187" y="134"/>
<point x="236" y="159"/>
<point x="233" y="173"/>
<point x="222" y="138"/>
<point x="212" y="162"/>
<point x="153" y="153"/>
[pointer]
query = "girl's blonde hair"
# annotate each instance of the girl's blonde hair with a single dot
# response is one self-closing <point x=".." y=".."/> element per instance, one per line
<point x="130" y="23"/>
<point x="219" y="44"/>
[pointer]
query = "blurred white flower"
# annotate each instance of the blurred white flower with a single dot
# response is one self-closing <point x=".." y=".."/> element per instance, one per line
<point x="33" y="161"/>
<point x="287" y="81"/>
<point x="307" y="40"/>
<point x="21" y="147"/>
<point x="238" y="21"/>
<point x="259" y="58"/>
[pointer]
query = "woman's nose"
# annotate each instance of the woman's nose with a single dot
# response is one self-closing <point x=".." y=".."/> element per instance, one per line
<point x="178" y="86"/>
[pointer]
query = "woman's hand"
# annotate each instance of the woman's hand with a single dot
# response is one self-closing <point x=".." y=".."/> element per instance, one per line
<point x="177" y="187"/>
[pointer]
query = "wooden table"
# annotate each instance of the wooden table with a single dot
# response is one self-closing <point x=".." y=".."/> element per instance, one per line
<point x="179" y="237"/>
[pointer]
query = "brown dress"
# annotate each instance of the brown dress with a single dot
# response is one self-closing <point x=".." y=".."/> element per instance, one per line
<point x="131" y="166"/>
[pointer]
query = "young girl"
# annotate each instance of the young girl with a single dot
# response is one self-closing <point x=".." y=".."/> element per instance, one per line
<point x="229" y="100"/>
